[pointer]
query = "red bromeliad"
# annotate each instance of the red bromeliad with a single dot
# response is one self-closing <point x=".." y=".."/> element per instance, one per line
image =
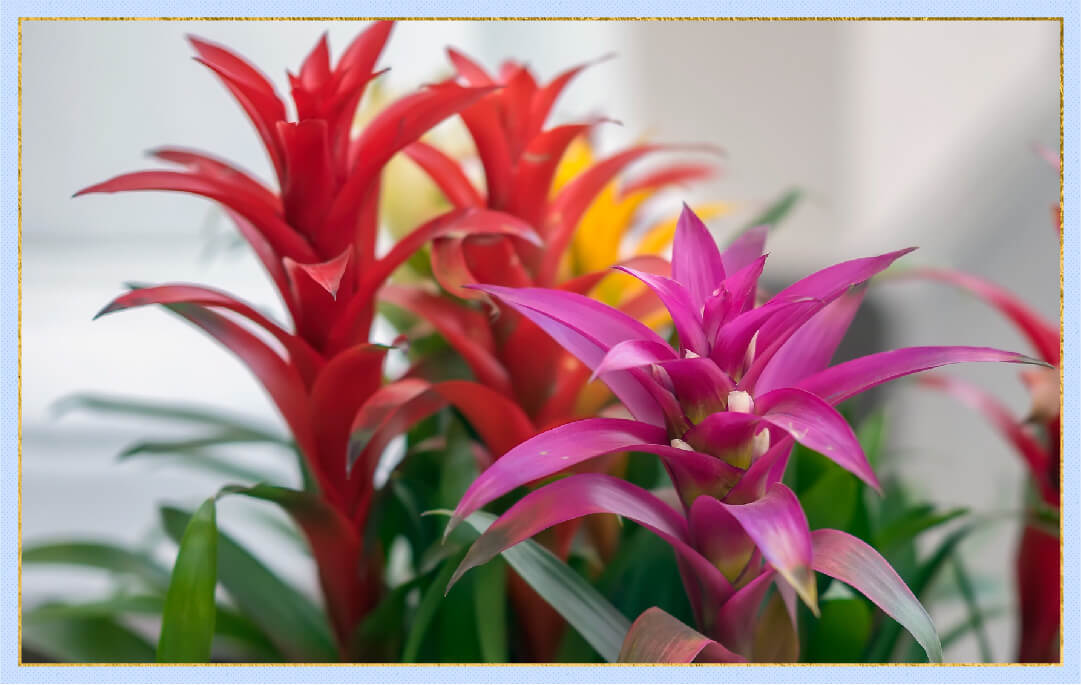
<point x="520" y="159"/>
<point x="534" y="384"/>
<point x="316" y="237"/>
<point x="721" y="412"/>
<point x="1037" y="439"/>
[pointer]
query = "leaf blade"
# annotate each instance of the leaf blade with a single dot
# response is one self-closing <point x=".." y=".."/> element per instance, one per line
<point x="187" y="621"/>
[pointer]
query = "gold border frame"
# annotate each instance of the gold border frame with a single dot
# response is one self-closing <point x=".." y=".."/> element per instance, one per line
<point x="1062" y="198"/>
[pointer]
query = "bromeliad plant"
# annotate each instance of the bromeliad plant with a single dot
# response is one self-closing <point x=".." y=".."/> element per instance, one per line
<point x="721" y="410"/>
<point x="316" y="237"/>
<point x="1037" y="440"/>
<point x="528" y="176"/>
<point x="520" y="160"/>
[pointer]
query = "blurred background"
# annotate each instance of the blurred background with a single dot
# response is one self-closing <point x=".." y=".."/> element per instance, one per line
<point x="898" y="134"/>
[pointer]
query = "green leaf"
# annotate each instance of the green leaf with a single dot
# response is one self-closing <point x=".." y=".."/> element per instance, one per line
<point x="229" y="625"/>
<point x="585" y="609"/>
<point x="81" y="639"/>
<point x="111" y="606"/>
<point x="885" y="643"/>
<point x="959" y="631"/>
<point x="490" y="602"/>
<point x="102" y="555"/>
<point x="841" y="632"/>
<point x="831" y="501"/>
<point x="429" y="603"/>
<point x="914" y="522"/>
<point x="297" y="628"/>
<point x="187" y="622"/>
<point x="643" y="574"/>
<point x="143" y="408"/>
<point x="777" y="210"/>
<point x="191" y="452"/>
<point x="871" y="434"/>
<point x="964" y="584"/>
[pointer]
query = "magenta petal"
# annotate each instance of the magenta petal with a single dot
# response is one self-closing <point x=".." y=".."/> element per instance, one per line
<point x="740" y="611"/>
<point x="830" y="282"/>
<point x="737" y="295"/>
<point x="685" y="315"/>
<point x="815" y="424"/>
<point x="745" y="249"/>
<point x="838" y="383"/>
<point x="764" y="472"/>
<point x="694" y="473"/>
<point x="587" y="329"/>
<point x="779" y="528"/>
<point x="699" y="385"/>
<point x="824" y="286"/>
<point x="720" y="537"/>
<point x="581" y="495"/>
<point x="811" y="347"/>
<point x="657" y="637"/>
<point x="696" y="261"/>
<point x="551" y="452"/>
<point x="726" y="435"/>
<point x="856" y="563"/>
<point x="734" y="337"/>
<point x="632" y="354"/>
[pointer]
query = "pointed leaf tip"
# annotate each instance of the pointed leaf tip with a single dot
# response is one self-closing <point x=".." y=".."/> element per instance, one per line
<point x="328" y="275"/>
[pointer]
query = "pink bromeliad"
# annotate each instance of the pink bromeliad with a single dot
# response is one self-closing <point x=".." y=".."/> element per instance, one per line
<point x="722" y="411"/>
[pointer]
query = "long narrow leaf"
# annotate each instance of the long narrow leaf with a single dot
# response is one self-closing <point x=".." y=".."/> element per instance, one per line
<point x="295" y="625"/>
<point x="429" y="603"/>
<point x="585" y="609"/>
<point x="90" y="639"/>
<point x="102" y="555"/>
<point x="187" y="621"/>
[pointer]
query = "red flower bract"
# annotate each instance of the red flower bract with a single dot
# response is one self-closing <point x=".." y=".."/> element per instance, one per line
<point x="316" y="238"/>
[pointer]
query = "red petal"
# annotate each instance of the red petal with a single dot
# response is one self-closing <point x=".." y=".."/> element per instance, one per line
<point x="280" y="379"/>
<point x="536" y="168"/>
<point x="673" y="174"/>
<point x="270" y="260"/>
<point x="547" y="95"/>
<point x="327" y="275"/>
<point x="1035" y="456"/>
<point x="251" y="89"/>
<point x="358" y="60"/>
<point x="1038" y="586"/>
<point x="316" y="287"/>
<point x="466" y="330"/>
<point x="398" y="125"/>
<point x="210" y="166"/>
<point x="315" y="70"/>
<point x="446" y="173"/>
<point x="1043" y="335"/>
<point x="574" y="199"/>
<point x="395" y="408"/>
<point x="483" y="119"/>
<point x="457" y="223"/>
<point x="345" y="383"/>
<point x="306" y="359"/>
<point x="279" y="234"/>
<point x="473" y="73"/>
<point x="309" y="184"/>
<point x="658" y="637"/>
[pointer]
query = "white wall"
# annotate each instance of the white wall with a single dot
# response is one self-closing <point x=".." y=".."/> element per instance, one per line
<point x="901" y="133"/>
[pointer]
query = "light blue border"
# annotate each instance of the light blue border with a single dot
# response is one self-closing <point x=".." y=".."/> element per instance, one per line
<point x="11" y="672"/>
